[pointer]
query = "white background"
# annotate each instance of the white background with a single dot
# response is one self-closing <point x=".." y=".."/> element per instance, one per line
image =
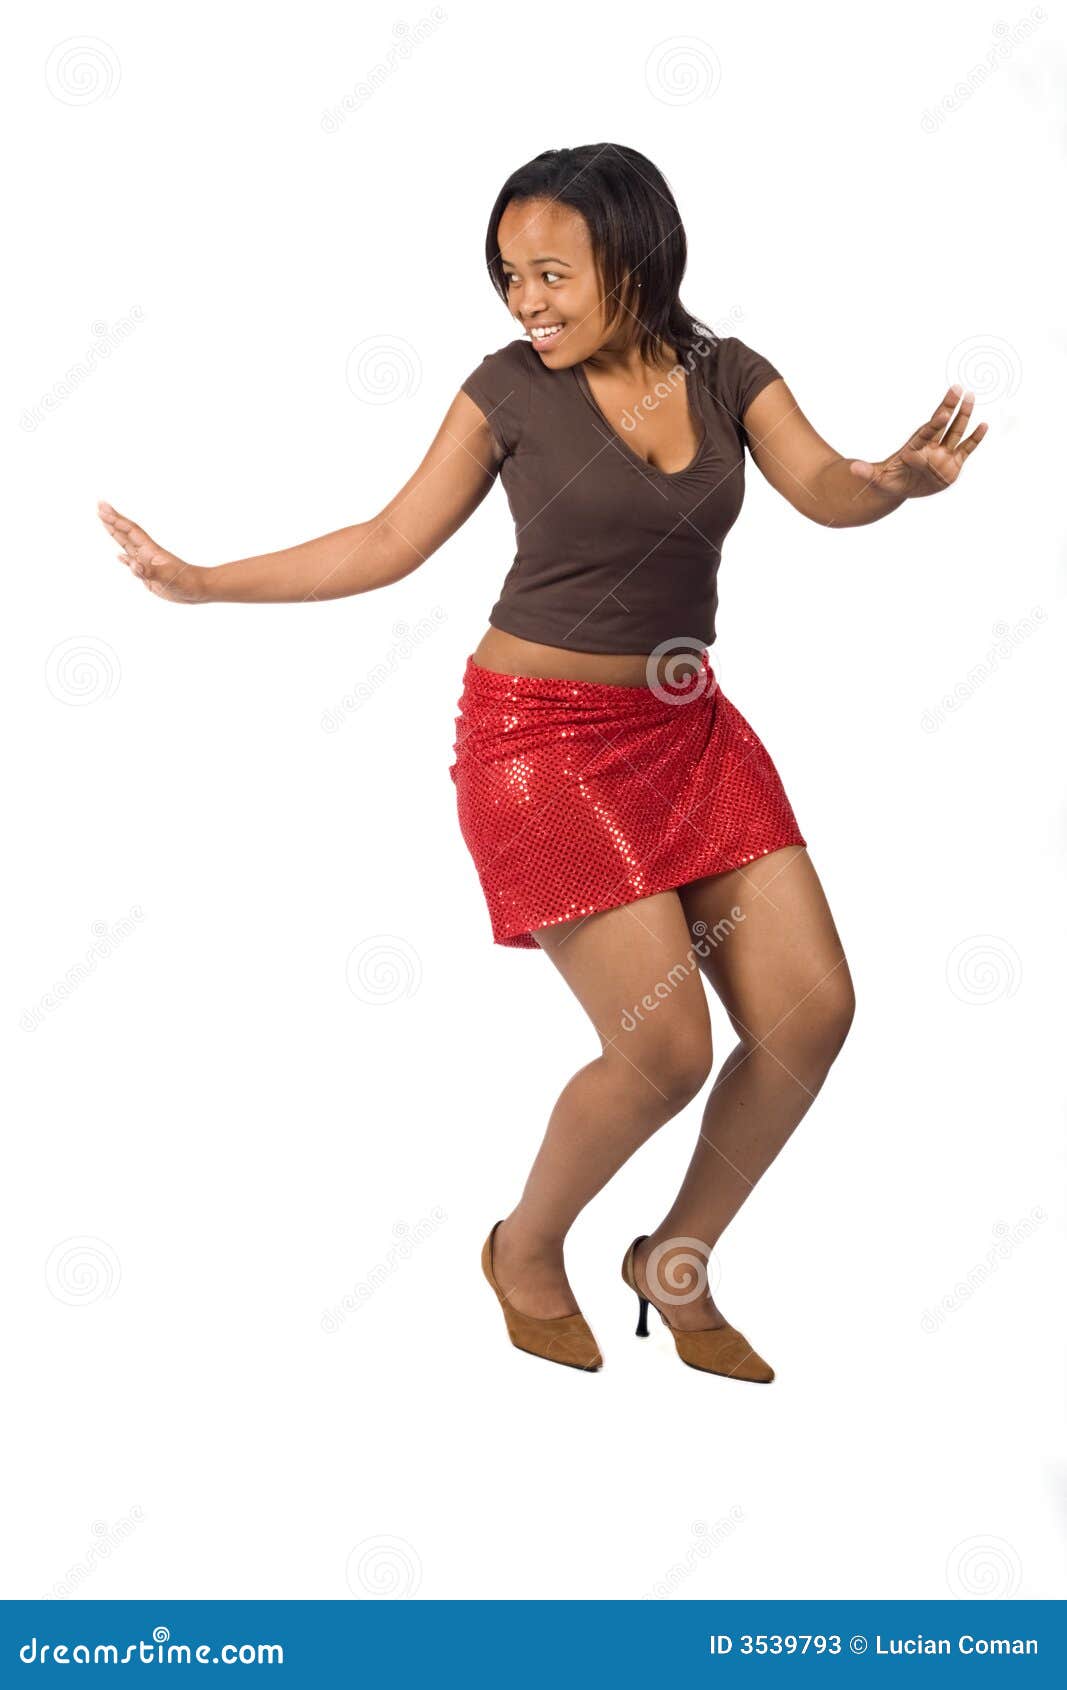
<point x="306" y="1048"/>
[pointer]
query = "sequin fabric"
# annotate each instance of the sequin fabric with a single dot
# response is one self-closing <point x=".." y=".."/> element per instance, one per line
<point x="577" y="796"/>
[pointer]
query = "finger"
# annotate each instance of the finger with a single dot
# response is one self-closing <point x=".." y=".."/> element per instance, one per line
<point x="130" y="535"/>
<point x="954" y="432"/>
<point x="864" y="471"/>
<point x="934" y="428"/>
<point x="966" y="447"/>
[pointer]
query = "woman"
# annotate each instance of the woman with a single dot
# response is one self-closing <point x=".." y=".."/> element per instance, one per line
<point x="622" y="815"/>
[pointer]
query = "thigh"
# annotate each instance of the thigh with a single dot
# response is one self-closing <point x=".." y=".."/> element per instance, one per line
<point x="637" y="976"/>
<point x="769" y="945"/>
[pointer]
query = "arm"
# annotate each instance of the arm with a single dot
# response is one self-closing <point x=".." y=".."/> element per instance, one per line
<point x="448" y="486"/>
<point x="842" y="492"/>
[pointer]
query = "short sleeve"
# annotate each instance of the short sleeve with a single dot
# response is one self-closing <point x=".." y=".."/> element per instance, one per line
<point x="500" y="387"/>
<point x="740" y="375"/>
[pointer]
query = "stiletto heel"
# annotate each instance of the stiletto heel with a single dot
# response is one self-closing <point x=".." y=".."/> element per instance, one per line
<point x="566" y="1338"/>
<point x="714" y="1349"/>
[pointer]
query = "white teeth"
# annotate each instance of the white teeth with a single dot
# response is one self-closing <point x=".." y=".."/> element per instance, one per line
<point x="542" y="334"/>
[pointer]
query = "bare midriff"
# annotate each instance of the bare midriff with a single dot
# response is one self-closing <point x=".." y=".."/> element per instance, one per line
<point x="510" y="655"/>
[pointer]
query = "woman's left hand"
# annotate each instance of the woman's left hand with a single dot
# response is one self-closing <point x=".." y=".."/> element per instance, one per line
<point x="932" y="459"/>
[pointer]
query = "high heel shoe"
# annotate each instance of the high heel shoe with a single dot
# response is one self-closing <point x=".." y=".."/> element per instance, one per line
<point x="714" y="1349"/>
<point x="566" y="1338"/>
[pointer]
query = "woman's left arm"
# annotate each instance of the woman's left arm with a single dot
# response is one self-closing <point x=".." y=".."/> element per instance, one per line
<point x="842" y="492"/>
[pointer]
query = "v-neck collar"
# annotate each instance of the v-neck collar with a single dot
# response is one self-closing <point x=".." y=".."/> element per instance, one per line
<point x="697" y="412"/>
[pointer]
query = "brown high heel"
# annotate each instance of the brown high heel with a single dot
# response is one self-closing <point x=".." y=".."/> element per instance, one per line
<point x="566" y="1338"/>
<point x="713" y="1349"/>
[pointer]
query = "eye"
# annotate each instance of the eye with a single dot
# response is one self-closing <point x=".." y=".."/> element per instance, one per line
<point x="512" y="276"/>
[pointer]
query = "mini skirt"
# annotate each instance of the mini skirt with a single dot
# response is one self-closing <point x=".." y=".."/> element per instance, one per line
<point x="577" y="796"/>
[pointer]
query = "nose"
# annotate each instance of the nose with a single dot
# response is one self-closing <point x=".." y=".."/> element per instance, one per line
<point x="531" y="304"/>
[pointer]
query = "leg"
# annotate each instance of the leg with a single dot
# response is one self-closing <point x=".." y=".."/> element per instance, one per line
<point x="770" y="948"/>
<point x="653" y="1061"/>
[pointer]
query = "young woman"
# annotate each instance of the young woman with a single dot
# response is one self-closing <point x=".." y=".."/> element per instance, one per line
<point x="623" y="816"/>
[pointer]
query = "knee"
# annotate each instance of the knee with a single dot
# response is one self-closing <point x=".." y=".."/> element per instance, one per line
<point x="678" y="1066"/>
<point x="838" y="1012"/>
<point x="826" y="1017"/>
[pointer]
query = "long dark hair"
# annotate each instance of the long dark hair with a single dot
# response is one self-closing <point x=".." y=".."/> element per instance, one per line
<point x="635" y="228"/>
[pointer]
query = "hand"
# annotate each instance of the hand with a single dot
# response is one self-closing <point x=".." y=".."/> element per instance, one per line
<point x="932" y="459"/>
<point x="162" y="572"/>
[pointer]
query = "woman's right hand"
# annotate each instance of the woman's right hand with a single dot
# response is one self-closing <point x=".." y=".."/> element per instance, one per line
<point x="164" y="574"/>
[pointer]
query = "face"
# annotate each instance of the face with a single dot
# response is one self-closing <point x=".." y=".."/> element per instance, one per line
<point x="551" y="280"/>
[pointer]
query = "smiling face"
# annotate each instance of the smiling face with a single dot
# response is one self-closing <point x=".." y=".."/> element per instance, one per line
<point x="552" y="282"/>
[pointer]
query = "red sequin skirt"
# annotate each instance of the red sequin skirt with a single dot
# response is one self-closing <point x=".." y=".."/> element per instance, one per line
<point x="575" y="796"/>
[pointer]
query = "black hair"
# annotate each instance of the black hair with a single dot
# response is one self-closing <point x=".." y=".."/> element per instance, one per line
<point x="635" y="228"/>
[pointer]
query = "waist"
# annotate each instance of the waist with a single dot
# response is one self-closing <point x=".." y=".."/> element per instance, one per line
<point x="671" y="665"/>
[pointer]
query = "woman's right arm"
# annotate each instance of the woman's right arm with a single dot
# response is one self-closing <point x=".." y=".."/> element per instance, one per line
<point x="449" y="484"/>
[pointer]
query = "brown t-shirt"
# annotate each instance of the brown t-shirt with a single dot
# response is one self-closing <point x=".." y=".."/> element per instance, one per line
<point x="613" y="555"/>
